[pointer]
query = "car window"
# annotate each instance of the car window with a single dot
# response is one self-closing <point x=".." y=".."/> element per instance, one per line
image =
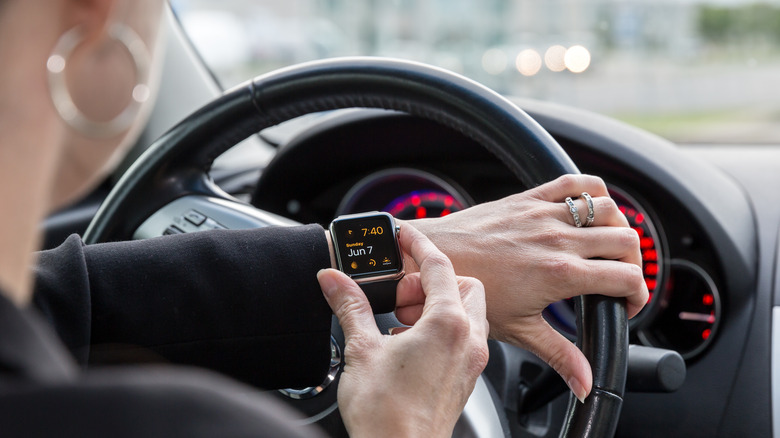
<point x="692" y="71"/>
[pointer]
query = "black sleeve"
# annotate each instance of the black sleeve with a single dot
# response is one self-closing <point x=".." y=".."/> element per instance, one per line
<point x="242" y="302"/>
<point x="42" y="394"/>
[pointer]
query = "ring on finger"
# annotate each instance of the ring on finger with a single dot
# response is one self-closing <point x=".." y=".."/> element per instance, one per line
<point x="591" y="213"/>
<point x="574" y="212"/>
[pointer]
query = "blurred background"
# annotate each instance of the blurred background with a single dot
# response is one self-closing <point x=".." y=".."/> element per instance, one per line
<point x="692" y="71"/>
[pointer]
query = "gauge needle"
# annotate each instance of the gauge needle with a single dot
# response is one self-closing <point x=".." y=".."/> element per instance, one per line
<point x="703" y="317"/>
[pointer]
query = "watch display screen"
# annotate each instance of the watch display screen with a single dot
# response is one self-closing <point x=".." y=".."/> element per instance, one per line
<point x="366" y="245"/>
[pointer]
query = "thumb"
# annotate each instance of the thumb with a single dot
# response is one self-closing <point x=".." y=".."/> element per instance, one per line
<point x="349" y="304"/>
<point x="562" y="355"/>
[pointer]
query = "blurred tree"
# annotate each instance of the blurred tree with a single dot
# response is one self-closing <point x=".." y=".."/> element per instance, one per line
<point x="745" y="24"/>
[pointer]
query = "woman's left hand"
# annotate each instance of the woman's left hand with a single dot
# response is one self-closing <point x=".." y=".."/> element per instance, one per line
<point x="416" y="382"/>
<point x="528" y="253"/>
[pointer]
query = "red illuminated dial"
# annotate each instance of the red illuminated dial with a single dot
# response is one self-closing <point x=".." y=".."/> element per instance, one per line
<point x="423" y="203"/>
<point x="649" y="241"/>
<point x="406" y="194"/>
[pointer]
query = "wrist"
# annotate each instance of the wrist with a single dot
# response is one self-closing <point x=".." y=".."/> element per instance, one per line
<point x="441" y="234"/>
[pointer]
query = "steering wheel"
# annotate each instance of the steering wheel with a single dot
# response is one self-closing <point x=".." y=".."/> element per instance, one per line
<point x="177" y="166"/>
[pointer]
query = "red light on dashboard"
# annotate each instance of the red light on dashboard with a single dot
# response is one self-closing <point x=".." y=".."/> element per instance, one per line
<point x="707" y="299"/>
<point x="639" y="218"/>
<point x="706" y="334"/>
<point x="622" y="209"/>
<point x="651" y="284"/>
<point x="650" y="255"/>
<point x="651" y="269"/>
<point x="420" y="204"/>
<point x="646" y="242"/>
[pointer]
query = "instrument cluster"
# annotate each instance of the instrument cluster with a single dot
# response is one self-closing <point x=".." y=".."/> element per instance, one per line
<point x="684" y="307"/>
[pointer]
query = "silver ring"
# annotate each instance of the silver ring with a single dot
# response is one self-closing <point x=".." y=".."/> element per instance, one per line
<point x="591" y="214"/>
<point x="574" y="212"/>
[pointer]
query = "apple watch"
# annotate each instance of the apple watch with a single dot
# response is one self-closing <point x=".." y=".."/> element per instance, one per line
<point x="367" y="250"/>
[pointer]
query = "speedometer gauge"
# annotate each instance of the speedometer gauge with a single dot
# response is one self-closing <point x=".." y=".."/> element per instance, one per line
<point x="406" y="194"/>
<point x="423" y="203"/>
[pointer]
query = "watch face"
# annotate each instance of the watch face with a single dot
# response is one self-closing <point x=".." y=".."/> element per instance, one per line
<point x="366" y="245"/>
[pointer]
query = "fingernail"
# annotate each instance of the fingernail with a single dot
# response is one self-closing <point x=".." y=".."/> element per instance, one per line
<point x="577" y="388"/>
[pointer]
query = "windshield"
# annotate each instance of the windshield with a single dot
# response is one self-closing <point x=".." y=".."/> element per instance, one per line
<point x="691" y="71"/>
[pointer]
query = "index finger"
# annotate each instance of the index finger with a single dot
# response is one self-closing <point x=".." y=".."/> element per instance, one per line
<point x="437" y="275"/>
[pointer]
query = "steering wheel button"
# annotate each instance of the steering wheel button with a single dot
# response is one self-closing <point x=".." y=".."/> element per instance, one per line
<point x="211" y="224"/>
<point x="195" y="218"/>
<point x="173" y="229"/>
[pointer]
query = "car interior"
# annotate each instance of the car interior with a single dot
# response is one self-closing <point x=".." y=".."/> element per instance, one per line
<point x="702" y="353"/>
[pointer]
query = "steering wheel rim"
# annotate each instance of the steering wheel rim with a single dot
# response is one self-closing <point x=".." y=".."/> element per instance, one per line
<point x="177" y="164"/>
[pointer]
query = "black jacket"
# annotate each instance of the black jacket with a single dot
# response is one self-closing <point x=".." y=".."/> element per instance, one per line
<point x="245" y="303"/>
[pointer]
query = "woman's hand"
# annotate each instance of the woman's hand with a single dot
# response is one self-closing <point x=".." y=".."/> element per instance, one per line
<point x="528" y="253"/>
<point x="416" y="382"/>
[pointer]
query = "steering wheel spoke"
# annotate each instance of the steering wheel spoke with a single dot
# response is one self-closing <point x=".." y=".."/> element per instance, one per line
<point x="193" y="213"/>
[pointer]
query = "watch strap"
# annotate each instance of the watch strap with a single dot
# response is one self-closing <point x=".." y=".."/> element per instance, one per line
<point x="381" y="295"/>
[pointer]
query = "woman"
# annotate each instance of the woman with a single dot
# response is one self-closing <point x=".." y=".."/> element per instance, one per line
<point x="74" y="90"/>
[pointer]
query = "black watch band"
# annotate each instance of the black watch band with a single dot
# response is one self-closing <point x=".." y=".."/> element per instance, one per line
<point x="381" y="295"/>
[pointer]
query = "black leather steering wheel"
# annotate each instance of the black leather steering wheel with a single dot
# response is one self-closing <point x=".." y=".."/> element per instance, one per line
<point x="178" y="164"/>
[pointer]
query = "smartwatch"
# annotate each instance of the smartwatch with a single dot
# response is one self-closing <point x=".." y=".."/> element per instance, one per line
<point x="367" y="251"/>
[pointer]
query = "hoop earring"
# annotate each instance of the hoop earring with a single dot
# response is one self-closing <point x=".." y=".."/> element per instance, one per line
<point x="61" y="96"/>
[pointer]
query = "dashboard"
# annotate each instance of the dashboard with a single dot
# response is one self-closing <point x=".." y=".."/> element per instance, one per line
<point x="699" y="260"/>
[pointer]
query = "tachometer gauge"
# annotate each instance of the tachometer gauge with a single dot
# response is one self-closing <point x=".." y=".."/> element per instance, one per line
<point x="654" y="265"/>
<point x="650" y="244"/>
